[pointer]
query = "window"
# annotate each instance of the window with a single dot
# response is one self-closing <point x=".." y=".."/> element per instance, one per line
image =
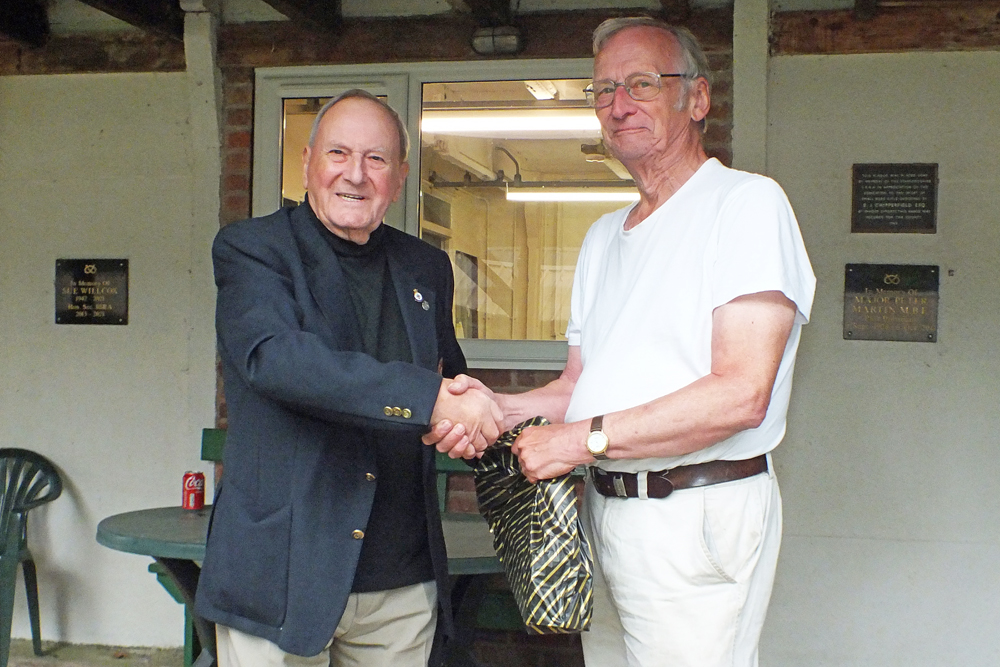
<point x="513" y="259"/>
<point x="503" y="165"/>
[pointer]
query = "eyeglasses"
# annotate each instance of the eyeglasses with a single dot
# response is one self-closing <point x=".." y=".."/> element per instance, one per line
<point x="641" y="86"/>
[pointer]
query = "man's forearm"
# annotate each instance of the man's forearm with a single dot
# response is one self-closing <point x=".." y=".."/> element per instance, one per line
<point x="700" y="415"/>
<point x="550" y="401"/>
<point x="748" y="340"/>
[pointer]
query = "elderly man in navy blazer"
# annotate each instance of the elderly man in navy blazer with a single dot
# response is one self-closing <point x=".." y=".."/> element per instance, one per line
<point x="335" y="333"/>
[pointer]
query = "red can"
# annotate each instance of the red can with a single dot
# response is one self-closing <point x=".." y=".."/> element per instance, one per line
<point x="194" y="491"/>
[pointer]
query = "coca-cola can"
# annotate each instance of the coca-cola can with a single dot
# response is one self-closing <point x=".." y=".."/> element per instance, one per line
<point x="194" y="491"/>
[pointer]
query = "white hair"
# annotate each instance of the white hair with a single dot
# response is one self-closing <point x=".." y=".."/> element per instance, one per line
<point x="694" y="60"/>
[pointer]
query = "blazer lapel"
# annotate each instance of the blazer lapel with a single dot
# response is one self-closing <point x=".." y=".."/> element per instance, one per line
<point x="417" y="303"/>
<point x="326" y="282"/>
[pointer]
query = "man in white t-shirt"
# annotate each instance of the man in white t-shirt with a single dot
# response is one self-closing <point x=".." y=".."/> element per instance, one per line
<point x="686" y="315"/>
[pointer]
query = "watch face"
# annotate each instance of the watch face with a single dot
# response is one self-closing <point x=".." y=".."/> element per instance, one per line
<point x="597" y="442"/>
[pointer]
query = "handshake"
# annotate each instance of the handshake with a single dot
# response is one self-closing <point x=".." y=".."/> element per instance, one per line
<point x="467" y="418"/>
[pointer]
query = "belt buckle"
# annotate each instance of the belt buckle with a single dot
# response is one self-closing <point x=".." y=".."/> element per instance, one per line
<point x="619" y="484"/>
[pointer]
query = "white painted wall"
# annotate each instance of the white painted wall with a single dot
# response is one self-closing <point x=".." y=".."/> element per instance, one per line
<point x="890" y="470"/>
<point x="103" y="166"/>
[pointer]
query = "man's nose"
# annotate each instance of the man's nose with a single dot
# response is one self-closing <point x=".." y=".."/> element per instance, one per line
<point x="355" y="171"/>
<point x="622" y="103"/>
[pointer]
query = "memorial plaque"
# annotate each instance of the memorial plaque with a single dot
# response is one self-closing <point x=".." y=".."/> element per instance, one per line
<point x="91" y="291"/>
<point x="891" y="302"/>
<point x="895" y="198"/>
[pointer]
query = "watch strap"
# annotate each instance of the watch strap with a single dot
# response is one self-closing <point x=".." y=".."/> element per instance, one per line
<point x="597" y="423"/>
<point x="597" y="426"/>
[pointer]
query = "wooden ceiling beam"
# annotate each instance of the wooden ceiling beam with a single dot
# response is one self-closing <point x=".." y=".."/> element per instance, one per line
<point x="865" y="9"/>
<point x="969" y="25"/>
<point x="25" y="21"/>
<point x="490" y="13"/>
<point x="676" y="11"/>
<point x="435" y="38"/>
<point x="321" y="15"/>
<point x="159" y="17"/>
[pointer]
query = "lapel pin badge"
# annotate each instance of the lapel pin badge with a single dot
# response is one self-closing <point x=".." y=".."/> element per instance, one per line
<point x="417" y="296"/>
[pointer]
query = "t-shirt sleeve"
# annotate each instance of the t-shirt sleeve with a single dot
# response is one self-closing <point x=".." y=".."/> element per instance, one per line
<point x="760" y="249"/>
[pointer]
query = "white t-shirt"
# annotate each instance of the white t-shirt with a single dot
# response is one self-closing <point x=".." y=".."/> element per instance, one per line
<point x="643" y="299"/>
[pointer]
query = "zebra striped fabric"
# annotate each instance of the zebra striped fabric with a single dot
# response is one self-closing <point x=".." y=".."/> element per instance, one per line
<point x="538" y="538"/>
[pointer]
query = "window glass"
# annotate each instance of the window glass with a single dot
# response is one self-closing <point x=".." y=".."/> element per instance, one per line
<point x="296" y="123"/>
<point x="503" y="167"/>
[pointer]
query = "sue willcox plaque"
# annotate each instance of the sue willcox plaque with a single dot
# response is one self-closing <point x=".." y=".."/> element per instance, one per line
<point x="91" y="291"/>
<point x="891" y="302"/>
<point x="897" y="198"/>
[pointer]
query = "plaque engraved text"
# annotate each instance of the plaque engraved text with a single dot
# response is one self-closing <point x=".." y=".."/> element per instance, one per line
<point x="91" y="291"/>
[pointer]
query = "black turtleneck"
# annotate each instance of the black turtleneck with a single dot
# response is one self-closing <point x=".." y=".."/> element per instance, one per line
<point x="395" y="551"/>
<point x="373" y="295"/>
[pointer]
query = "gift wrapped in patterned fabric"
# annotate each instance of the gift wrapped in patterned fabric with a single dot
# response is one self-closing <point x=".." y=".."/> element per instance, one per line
<point x="538" y="538"/>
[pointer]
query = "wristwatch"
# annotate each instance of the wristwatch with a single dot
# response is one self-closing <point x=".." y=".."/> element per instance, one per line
<point x="597" y="441"/>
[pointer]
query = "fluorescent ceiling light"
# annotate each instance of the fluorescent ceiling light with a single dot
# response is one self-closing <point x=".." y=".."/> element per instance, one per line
<point x="570" y="195"/>
<point x="566" y="122"/>
<point x="542" y="90"/>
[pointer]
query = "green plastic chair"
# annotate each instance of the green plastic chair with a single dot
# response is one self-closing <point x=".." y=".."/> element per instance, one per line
<point x="27" y="480"/>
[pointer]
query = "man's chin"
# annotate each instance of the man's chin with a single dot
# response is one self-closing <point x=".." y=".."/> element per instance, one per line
<point x="628" y="143"/>
<point x="349" y="227"/>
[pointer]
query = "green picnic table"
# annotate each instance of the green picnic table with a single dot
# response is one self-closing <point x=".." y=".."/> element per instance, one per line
<point x="175" y="539"/>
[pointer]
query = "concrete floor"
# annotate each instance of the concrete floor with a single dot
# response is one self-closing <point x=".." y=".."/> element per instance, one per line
<point x="81" y="655"/>
<point x="492" y="649"/>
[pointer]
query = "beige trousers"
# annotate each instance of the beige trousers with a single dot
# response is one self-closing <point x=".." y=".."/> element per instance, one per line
<point x="384" y="629"/>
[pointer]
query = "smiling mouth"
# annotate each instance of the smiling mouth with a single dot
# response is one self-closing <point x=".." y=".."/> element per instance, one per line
<point x="350" y="197"/>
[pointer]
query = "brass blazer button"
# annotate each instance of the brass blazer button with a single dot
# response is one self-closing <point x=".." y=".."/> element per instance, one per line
<point x="406" y="413"/>
<point x="396" y="412"/>
<point x="357" y="534"/>
<point x="370" y="477"/>
<point x="387" y="410"/>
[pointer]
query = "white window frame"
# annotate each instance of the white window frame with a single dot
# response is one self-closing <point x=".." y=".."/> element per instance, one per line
<point x="402" y="84"/>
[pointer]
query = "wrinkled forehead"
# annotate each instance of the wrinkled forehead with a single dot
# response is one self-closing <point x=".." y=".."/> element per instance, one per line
<point x="638" y="49"/>
<point x="359" y="123"/>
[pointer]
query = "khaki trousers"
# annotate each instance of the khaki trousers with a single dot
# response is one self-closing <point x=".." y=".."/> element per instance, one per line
<point x="384" y="629"/>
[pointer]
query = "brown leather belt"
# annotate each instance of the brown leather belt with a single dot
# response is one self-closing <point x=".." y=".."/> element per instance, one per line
<point x="661" y="483"/>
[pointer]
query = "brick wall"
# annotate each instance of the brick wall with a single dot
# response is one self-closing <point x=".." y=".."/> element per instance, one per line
<point x="237" y="143"/>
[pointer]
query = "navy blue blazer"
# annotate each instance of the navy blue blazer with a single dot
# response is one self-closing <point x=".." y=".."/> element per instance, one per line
<point x="303" y="401"/>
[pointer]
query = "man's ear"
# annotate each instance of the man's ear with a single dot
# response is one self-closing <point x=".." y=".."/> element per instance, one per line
<point x="699" y="100"/>
<point x="306" y="154"/>
<point x="404" y="170"/>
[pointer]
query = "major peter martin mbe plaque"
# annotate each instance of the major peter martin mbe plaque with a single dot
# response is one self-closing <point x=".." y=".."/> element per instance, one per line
<point x="91" y="291"/>
<point x="891" y="302"/>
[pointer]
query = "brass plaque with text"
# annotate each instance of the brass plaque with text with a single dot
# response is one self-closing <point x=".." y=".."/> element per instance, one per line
<point x="91" y="291"/>
<point x="891" y="302"/>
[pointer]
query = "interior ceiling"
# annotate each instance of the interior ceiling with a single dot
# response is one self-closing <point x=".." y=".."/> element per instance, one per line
<point x="32" y="22"/>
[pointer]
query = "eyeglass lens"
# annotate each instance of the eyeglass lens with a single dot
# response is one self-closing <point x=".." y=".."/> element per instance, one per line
<point x="640" y="86"/>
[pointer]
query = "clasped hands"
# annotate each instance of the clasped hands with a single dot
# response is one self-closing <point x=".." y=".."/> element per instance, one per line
<point x="468" y="417"/>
